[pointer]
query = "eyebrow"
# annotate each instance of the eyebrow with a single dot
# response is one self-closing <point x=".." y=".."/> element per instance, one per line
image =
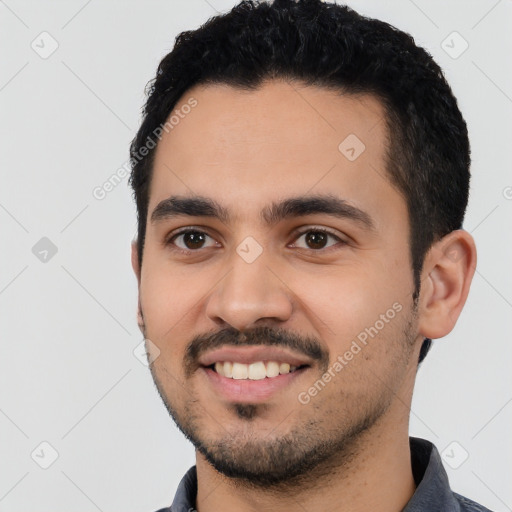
<point x="199" y="206"/>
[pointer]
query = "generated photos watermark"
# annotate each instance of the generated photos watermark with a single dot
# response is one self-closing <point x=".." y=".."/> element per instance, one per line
<point x="101" y="191"/>
<point x="357" y="345"/>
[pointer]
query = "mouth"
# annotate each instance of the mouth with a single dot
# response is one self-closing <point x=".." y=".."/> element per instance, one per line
<point x="252" y="374"/>
<point x="254" y="371"/>
<point x="254" y="383"/>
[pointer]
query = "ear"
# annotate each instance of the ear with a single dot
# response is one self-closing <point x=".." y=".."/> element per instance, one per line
<point x="135" y="261"/>
<point x="136" y="270"/>
<point x="447" y="272"/>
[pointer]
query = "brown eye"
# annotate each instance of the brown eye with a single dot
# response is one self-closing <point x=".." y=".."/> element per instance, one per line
<point x="318" y="239"/>
<point x="191" y="240"/>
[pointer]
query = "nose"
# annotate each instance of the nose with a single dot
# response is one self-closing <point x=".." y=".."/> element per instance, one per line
<point x="248" y="294"/>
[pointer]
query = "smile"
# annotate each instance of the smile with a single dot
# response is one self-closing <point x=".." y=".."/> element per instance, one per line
<point x="254" y="371"/>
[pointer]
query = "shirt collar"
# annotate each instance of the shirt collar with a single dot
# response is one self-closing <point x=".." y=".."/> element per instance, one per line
<point x="432" y="486"/>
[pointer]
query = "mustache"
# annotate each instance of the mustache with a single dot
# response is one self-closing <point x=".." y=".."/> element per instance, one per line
<point x="261" y="335"/>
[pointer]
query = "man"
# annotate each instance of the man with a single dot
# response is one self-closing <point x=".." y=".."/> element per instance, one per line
<point x="301" y="175"/>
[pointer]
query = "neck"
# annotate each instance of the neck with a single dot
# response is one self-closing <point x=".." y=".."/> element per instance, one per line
<point x="376" y="474"/>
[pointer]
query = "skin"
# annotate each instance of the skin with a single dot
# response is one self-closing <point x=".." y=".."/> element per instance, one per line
<point x="348" y="448"/>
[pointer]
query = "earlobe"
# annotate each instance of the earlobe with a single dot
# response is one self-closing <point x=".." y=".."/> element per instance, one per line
<point x="447" y="273"/>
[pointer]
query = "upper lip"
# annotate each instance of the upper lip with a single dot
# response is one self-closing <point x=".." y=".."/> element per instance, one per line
<point x="252" y="354"/>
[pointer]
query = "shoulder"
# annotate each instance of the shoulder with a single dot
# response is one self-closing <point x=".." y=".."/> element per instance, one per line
<point x="467" y="505"/>
<point x="178" y="509"/>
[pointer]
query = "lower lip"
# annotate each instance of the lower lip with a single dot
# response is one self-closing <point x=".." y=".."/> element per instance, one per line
<point x="246" y="390"/>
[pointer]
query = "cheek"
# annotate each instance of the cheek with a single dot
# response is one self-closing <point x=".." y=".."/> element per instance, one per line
<point x="167" y="298"/>
<point x="360" y="315"/>
<point x="344" y="301"/>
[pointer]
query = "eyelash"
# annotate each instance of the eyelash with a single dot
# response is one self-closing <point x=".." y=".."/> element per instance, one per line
<point x="169" y="242"/>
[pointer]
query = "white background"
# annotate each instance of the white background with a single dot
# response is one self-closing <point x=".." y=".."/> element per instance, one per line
<point x="68" y="375"/>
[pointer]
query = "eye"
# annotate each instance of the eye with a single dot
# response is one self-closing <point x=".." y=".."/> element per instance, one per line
<point x="190" y="240"/>
<point x="317" y="239"/>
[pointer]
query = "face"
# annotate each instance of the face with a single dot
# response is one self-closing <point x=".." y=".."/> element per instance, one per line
<point x="274" y="236"/>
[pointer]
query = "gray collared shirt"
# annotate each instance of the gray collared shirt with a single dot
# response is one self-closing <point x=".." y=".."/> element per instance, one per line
<point x="433" y="493"/>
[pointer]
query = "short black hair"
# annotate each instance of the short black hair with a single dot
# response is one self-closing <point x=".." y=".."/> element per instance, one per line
<point x="332" y="46"/>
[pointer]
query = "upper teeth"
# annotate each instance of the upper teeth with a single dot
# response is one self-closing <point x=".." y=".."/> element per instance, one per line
<point x="253" y="371"/>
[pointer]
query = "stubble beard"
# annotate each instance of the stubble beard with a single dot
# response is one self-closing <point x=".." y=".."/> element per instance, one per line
<point x="312" y="448"/>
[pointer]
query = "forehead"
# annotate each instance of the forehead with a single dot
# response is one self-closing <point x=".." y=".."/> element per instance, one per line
<point x="282" y="139"/>
<point x="288" y="114"/>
